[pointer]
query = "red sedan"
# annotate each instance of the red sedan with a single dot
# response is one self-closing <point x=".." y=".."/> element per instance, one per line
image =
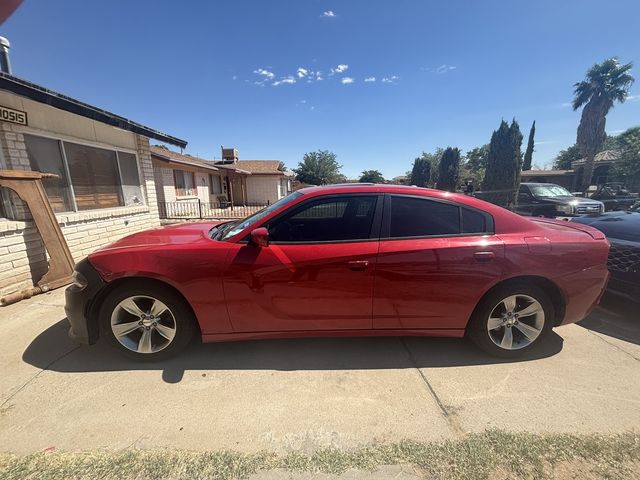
<point x="343" y="260"/>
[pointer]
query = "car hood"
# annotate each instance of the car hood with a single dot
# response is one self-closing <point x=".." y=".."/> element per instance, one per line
<point x="620" y="225"/>
<point x="566" y="200"/>
<point x="179" y="234"/>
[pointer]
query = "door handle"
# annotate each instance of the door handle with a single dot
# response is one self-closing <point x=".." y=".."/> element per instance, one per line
<point x="484" y="256"/>
<point x="358" y="265"/>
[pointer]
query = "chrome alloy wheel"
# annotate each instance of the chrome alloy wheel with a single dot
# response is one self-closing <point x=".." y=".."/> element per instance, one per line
<point x="515" y="322"/>
<point x="143" y="324"/>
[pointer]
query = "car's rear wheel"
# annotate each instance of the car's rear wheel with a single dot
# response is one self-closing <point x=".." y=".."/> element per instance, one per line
<point x="511" y="320"/>
<point x="147" y="323"/>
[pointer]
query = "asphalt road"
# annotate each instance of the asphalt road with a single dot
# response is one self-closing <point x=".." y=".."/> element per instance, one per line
<point x="287" y="395"/>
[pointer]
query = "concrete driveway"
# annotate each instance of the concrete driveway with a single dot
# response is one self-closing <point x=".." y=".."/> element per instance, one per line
<point x="287" y="395"/>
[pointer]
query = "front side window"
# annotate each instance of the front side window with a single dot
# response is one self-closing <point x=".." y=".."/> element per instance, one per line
<point x="330" y="219"/>
<point x="418" y="217"/>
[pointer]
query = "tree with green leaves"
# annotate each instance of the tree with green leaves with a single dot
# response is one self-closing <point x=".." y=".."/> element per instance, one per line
<point x="449" y="170"/>
<point x="564" y="159"/>
<point x="371" y="176"/>
<point x="318" y="168"/>
<point x="504" y="162"/>
<point x="605" y="83"/>
<point x="528" y="154"/>
<point x="476" y="158"/>
<point x="627" y="168"/>
<point x="421" y="172"/>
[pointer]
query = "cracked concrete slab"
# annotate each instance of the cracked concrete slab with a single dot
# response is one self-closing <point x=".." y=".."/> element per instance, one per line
<point x="286" y="395"/>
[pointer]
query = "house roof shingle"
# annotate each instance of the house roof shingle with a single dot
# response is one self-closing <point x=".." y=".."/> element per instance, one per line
<point x="263" y="167"/>
<point x="166" y="154"/>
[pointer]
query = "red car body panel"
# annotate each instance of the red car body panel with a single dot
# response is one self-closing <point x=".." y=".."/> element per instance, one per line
<point x="417" y="286"/>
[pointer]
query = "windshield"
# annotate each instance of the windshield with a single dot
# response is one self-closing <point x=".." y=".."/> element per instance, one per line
<point x="549" y="191"/>
<point x="236" y="227"/>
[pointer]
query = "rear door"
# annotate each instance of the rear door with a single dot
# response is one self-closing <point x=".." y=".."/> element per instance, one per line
<point x="436" y="259"/>
<point x="317" y="272"/>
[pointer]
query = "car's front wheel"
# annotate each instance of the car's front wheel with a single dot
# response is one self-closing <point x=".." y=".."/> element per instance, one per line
<point x="147" y="323"/>
<point x="511" y="319"/>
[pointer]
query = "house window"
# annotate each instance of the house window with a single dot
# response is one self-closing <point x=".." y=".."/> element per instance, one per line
<point x="94" y="176"/>
<point x="283" y="189"/>
<point x="45" y="156"/>
<point x="131" y="189"/>
<point x="88" y="177"/>
<point x="185" y="183"/>
<point x="215" y="184"/>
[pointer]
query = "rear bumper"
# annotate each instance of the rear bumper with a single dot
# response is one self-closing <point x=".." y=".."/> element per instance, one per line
<point x="583" y="291"/>
<point x="78" y="303"/>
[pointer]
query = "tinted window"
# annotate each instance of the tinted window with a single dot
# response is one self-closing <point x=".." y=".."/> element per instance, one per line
<point x="417" y="217"/>
<point x="329" y="219"/>
<point x="473" y="222"/>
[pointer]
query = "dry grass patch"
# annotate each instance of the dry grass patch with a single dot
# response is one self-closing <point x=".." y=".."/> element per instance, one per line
<point x="492" y="455"/>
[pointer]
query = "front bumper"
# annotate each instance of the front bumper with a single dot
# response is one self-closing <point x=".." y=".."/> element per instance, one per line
<point x="79" y="303"/>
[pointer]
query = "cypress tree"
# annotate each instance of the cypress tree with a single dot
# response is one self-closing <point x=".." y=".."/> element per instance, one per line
<point x="528" y="155"/>
<point x="504" y="161"/>
<point x="421" y="172"/>
<point x="449" y="170"/>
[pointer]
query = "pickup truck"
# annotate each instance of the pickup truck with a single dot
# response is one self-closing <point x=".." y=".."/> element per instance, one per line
<point x="551" y="200"/>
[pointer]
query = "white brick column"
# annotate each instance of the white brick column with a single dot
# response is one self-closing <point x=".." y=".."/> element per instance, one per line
<point x="148" y="177"/>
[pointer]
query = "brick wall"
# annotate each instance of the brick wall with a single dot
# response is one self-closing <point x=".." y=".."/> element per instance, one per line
<point x="23" y="258"/>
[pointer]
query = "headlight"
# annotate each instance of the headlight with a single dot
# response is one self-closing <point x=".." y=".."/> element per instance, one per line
<point x="79" y="280"/>
<point x="566" y="209"/>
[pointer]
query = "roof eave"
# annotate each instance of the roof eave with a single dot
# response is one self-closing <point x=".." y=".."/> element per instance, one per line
<point x="71" y="105"/>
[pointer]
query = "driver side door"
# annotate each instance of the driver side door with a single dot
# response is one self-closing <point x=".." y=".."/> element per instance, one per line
<point x="317" y="272"/>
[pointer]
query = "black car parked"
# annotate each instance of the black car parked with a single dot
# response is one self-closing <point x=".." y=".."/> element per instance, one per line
<point x="623" y="232"/>
<point x="551" y="200"/>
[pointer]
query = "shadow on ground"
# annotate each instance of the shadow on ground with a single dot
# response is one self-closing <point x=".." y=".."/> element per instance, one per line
<point x="53" y="350"/>
<point x="616" y="317"/>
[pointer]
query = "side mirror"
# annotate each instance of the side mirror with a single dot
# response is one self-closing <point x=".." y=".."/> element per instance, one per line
<point x="260" y="237"/>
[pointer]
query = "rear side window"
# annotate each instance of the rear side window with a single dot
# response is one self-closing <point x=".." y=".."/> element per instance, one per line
<point x="417" y="217"/>
<point x="473" y="222"/>
<point x="326" y="220"/>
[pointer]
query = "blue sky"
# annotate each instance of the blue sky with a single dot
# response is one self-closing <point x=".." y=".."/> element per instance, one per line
<point x="223" y="73"/>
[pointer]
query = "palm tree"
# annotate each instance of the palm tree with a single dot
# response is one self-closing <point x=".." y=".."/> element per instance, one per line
<point x="605" y="83"/>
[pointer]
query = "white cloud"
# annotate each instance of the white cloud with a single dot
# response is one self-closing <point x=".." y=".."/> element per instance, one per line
<point x="235" y="77"/>
<point x="566" y="104"/>
<point x="444" y="68"/>
<point x="302" y="72"/>
<point x="288" y="80"/>
<point x="302" y="101"/>
<point x="346" y="80"/>
<point x="370" y="79"/>
<point x="343" y="67"/>
<point x="391" y="79"/>
<point x="265" y="73"/>
<point x="633" y="97"/>
<point x="329" y="14"/>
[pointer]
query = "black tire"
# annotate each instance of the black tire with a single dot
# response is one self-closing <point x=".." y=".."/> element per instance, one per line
<point x="181" y="317"/>
<point x="477" y="328"/>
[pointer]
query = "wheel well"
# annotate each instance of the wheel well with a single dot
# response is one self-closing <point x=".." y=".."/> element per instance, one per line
<point x="94" y="309"/>
<point x="550" y="288"/>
